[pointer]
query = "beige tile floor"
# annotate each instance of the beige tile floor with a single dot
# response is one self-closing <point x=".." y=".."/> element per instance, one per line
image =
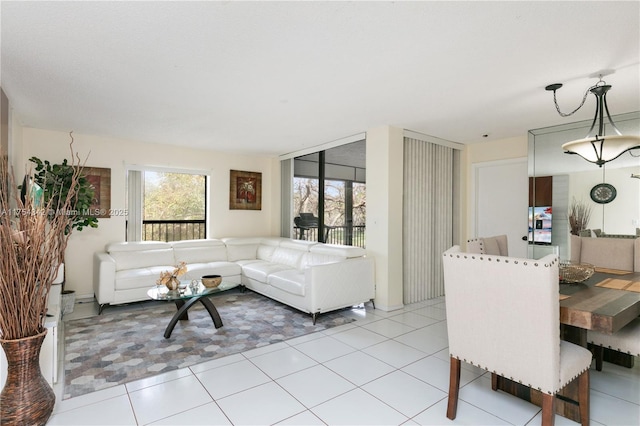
<point x="387" y="368"/>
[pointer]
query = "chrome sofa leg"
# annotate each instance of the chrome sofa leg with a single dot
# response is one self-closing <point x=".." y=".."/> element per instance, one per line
<point x="315" y="317"/>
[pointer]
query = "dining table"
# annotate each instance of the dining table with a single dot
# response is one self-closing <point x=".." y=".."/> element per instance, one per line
<point x="605" y="302"/>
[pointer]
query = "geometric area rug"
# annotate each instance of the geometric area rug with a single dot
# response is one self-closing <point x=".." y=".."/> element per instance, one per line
<point x="121" y="346"/>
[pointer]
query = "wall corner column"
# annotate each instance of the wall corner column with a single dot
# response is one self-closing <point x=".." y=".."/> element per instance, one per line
<point x="384" y="212"/>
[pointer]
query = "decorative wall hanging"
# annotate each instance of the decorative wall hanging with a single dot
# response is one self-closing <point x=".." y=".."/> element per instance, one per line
<point x="100" y="179"/>
<point x="245" y="191"/>
<point x="603" y="193"/>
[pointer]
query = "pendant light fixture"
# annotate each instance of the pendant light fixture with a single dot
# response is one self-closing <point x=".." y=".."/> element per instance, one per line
<point x="596" y="147"/>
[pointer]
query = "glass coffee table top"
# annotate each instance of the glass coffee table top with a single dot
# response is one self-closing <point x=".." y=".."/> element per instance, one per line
<point x="186" y="290"/>
<point x="187" y="294"/>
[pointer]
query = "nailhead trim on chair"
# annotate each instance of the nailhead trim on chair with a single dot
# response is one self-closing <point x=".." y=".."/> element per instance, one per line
<point x="480" y="242"/>
<point x="525" y="263"/>
<point x="617" y="350"/>
<point x="520" y="381"/>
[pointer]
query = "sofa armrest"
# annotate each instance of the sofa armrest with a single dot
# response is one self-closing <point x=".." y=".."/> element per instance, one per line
<point x="341" y="284"/>
<point x="104" y="277"/>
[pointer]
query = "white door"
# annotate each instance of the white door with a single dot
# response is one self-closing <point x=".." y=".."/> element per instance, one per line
<point x="500" y="202"/>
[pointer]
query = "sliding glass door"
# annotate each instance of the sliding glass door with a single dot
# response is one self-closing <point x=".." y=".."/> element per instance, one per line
<point x="329" y="195"/>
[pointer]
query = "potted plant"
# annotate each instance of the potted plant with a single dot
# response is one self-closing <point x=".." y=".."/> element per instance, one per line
<point x="32" y="242"/>
<point x="56" y="181"/>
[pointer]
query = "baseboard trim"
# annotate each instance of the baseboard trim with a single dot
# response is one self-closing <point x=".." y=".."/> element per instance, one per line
<point x="389" y="308"/>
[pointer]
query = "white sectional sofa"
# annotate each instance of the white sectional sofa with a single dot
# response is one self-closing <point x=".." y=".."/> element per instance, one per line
<point x="311" y="277"/>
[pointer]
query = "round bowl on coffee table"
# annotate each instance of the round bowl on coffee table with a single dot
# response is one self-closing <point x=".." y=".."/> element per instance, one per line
<point x="211" y="281"/>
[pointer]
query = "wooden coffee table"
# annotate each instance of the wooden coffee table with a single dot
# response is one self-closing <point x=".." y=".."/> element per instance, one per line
<point x="185" y="297"/>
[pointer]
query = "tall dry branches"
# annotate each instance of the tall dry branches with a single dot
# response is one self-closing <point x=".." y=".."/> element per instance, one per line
<point x="579" y="215"/>
<point x="31" y="242"/>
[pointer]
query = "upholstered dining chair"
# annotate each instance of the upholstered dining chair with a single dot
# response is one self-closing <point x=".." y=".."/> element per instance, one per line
<point x="626" y="340"/>
<point x="489" y="245"/>
<point x="503" y="315"/>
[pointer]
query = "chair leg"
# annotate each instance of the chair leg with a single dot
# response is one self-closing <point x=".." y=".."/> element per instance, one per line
<point x="598" y="354"/>
<point x="548" y="409"/>
<point x="494" y="381"/>
<point x="454" y="387"/>
<point x="583" y="398"/>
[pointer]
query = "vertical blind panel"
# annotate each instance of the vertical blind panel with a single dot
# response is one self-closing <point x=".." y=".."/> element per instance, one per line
<point x="134" y="205"/>
<point x="427" y="217"/>
<point x="286" y="198"/>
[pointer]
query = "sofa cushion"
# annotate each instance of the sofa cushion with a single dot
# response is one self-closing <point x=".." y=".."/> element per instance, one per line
<point x="273" y="241"/>
<point x="135" y="259"/>
<point x="301" y="245"/>
<point x="311" y="259"/>
<point x="136" y="246"/>
<point x="198" y="251"/>
<point x="241" y="248"/>
<point x="135" y="278"/>
<point x="265" y="252"/>
<point x="242" y="263"/>
<point x="260" y="270"/>
<point x="338" y="250"/>
<point x="226" y="269"/>
<point x="287" y="256"/>
<point x="292" y="281"/>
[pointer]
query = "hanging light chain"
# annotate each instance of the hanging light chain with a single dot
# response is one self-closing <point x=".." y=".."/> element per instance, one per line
<point x="555" y="87"/>
<point x="584" y="98"/>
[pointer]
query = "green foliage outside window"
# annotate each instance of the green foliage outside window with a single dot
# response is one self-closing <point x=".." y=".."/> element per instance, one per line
<point x="174" y="196"/>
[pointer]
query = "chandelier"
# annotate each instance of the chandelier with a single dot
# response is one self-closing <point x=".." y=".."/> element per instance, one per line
<point x="596" y="147"/>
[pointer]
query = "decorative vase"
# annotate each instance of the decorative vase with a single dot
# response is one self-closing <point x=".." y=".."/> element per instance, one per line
<point x="27" y="398"/>
<point x="173" y="283"/>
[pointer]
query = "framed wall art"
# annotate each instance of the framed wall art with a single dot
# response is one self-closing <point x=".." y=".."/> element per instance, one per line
<point x="100" y="179"/>
<point x="245" y="191"/>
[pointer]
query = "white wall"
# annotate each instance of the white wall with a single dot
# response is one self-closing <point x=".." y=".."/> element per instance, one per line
<point x="622" y="215"/>
<point x="116" y="154"/>
<point x="489" y="151"/>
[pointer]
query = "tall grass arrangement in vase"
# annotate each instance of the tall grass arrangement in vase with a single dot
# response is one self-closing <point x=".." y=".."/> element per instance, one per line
<point x="31" y="241"/>
<point x="579" y="215"/>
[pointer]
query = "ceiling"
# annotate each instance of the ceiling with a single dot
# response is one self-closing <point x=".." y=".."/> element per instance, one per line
<point x="271" y="78"/>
